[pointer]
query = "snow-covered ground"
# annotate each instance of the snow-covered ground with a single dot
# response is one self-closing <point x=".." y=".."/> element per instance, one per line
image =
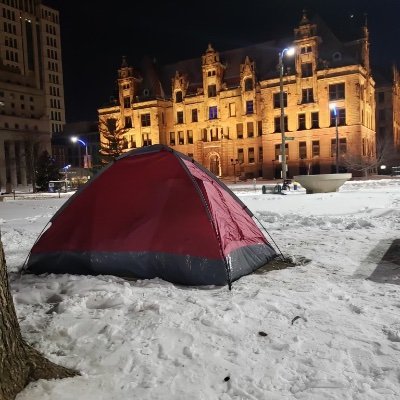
<point x="320" y="330"/>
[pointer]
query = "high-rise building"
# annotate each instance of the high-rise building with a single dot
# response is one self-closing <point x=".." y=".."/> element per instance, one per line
<point x="31" y="87"/>
<point x="224" y="109"/>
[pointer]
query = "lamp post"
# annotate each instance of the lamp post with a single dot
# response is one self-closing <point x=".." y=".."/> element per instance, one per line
<point x="289" y="51"/>
<point x="234" y="162"/>
<point x="332" y="106"/>
<point x="66" y="175"/>
<point x="86" y="160"/>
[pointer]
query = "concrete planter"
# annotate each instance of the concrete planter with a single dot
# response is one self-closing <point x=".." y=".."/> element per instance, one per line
<point x="323" y="183"/>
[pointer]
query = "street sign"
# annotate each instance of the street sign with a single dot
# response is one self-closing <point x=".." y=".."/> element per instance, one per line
<point x="289" y="137"/>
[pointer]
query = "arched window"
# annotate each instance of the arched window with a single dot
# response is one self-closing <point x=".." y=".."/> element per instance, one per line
<point x="248" y="84"/>
<point x="178" y="97"/>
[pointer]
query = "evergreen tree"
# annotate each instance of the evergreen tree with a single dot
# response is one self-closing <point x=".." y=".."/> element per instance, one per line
<point x="115" y="141"/>
<point x="46" y="170"/>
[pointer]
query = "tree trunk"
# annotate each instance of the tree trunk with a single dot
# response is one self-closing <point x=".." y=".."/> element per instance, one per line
<point x="19" y="362"/>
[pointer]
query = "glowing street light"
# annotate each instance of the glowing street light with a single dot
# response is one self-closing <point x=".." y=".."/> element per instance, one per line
<point x="289" y="51"/>
<point x="87" y="163"/>
<point x="332" y="106"/>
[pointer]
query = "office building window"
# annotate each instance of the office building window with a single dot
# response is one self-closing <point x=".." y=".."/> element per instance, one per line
<point x="314" y="120"/>
<point x="250" y="129"/>
<point x="277" y="124"/>
<point x="277" y="101"/>
<point x="341" y="116"/>
<point x="181" y="139"/>
<point x="128" y="122"/>
<point x="179" y="117"/>
<point x="315" y="148"/>
<point x="306" y="70"/>
<point x="172" y="138"/>
<point x="127" y="102"/>
<point x="249" y="107"/>
<point x="259" y="128"/>
<point x="240" y="156"/>
<point x="146" y="139"/>
<point x="178" y="96"/>
<point x="204" y="135"/>
<point x="260" y="154"/>
<point x="145" y="119"/>
<point x="251" y="155"/>
<point x="194" y="115"/>
<point x="248" y="84"/>
<point x="342" y="146"/>
<point x="212" y="112"/>
<point x="189" y="137"/>
<point x="307" y="96"/>
<point x="239" y="130"/>
<point x="302" y="150"/>
<point x="302" y="122"/>
<point x="336" y="91"/>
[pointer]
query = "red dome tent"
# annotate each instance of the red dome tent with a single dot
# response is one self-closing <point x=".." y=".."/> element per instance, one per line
<point x="153" y="212"/>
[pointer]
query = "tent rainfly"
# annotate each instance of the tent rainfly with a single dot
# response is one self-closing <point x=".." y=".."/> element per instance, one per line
<point x="153" y="212"/>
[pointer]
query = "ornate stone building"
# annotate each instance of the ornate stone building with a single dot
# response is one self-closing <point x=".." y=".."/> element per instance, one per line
<point x="31" y="87"/>
<point x="223" y="109"/>
<point x="388" y="118"/>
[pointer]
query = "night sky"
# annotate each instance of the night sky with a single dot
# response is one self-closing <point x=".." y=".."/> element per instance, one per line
<point x="95" y="36"/>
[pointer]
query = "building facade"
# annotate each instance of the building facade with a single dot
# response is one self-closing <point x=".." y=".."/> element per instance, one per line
<point x="31" y="87"/>
<point x="223" y="109"/>
<point x="388" y="119"/>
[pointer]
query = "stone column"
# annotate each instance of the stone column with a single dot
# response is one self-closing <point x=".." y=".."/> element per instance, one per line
<point x="22" y="163"/>
<point x="13" y="164"/>
<point x="3" y="175"/>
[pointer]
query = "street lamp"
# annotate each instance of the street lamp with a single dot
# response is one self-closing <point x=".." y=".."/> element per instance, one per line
<point x="234" y="162"/>
<point x="289" y="51"/>
<point x="66" y="175"/>
<point x="332" y="106"/>
<point x="86" y="160"/>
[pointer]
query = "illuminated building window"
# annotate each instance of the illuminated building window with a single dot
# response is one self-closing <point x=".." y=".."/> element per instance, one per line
<point x="307" y="96"/>
<point x="212" y="112"/>
<point x="341" y="116"/>
<point x="249" y="107"/>
<point x="145" y="119"/>
<point x="336" y="91"/>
